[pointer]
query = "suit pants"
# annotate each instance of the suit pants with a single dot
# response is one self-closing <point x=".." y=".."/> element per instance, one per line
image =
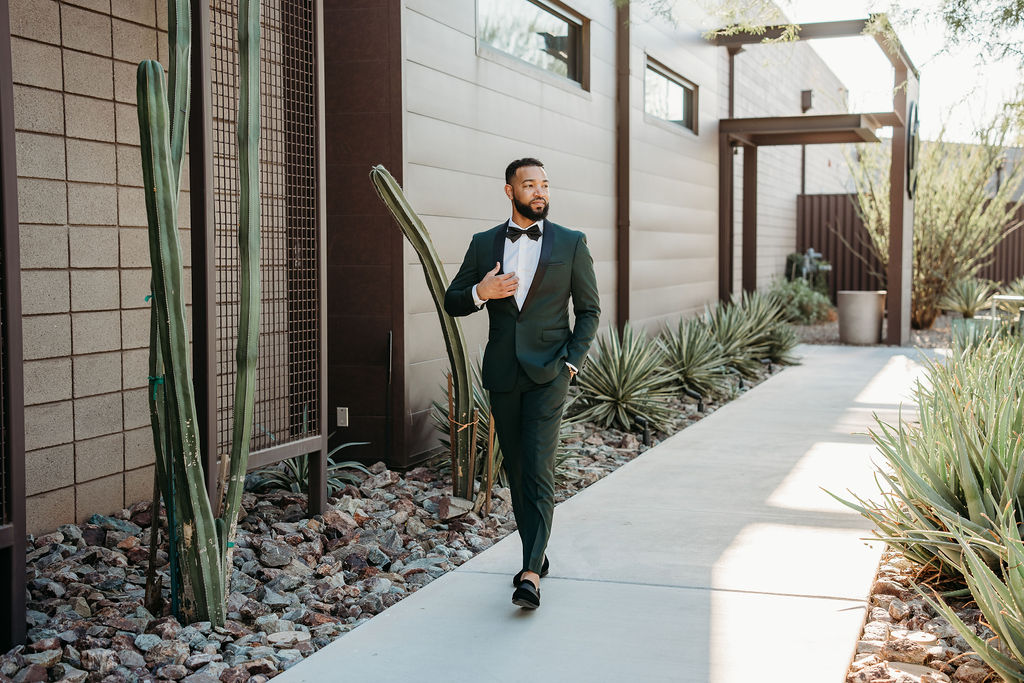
<point x="527" y="420"/>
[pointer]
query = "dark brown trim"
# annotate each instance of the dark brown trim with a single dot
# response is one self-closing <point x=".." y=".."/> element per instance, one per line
<point x="733" y="51"/>
<point x="398" y="423"/>
<point x="204" y="271"/>
<point x="901" y="219"/>
<point x="12" y="552"/>
<point x="268" y="456"/>
<point x="622" y="113"/>
<point x="318" y="458"/>
<point x="821" y="29"/>
<point x="7" y="535"/>
<point x="725" y="217"/>
<point x="749" y="219"/>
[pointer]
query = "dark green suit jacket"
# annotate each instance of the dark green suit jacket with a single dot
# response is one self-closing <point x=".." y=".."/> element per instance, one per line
<point x="538" y="336"/>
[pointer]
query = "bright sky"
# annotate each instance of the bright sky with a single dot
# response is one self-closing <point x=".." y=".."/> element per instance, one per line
<point x="955" y="86"/>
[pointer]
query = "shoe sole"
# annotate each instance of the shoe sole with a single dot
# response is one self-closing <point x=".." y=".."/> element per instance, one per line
<point x="526" y="604"/>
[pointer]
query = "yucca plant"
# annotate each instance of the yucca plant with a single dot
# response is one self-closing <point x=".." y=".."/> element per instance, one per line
<point x="419" y="237"/>
<point x="625" y="379"/>
<point x="962" y="466"/>
<point x="1016" y="288"/>
<point x="999" y="595"/>
<point x="967" y="296"/>
<point x="293" y="474"/>
<point x="696" y="357"/>
<point x="782" y="339"/>
<point x="742" y="328"/>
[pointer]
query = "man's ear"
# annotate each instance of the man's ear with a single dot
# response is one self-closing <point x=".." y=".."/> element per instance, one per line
<point x="508" y="191"/>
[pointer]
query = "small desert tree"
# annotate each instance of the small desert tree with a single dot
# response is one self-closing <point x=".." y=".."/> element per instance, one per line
<point x="964" y="205"/>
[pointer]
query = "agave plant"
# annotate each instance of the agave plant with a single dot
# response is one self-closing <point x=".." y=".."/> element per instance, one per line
<point x="968" y="296"/>
<point x="962" y="466"/>
<point x="999" y="595"/>
<point x="696" y="357"/>
<point x="742" y="330"/>
<point x="628" y="378"/>
<point x="1015" y="288"/>
<point x="293" y="474"/>
<point x="781" y="340"/>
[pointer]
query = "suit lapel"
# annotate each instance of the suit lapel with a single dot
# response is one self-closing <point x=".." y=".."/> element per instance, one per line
<point x="546" y="245"/>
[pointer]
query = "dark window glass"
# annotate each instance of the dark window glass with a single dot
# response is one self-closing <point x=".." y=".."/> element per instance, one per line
<point x="533" y="33"/>
<point x="668" y="98"/>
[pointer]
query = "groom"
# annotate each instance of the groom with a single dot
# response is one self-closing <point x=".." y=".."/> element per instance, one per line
<point x="525" y="271"/>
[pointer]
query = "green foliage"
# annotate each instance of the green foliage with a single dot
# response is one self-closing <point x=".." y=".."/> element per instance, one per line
<point x="800" y="303"/>
<point x="745" y="331"/>
<point x="419" y="237"/>
<point x="697" y="359"/>
<point x="962" y="466"/>
<point x="959" y="217"/>
<point x="625" y="379"/>
<point x="293" y="474"/>
<point x="202" y="530"/>
<point x="993" y="26"/>
<point x="1000" y="597"/>
<point x="967" y="296"/>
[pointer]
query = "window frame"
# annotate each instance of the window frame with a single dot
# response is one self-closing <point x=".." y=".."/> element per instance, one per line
<point x="563" y="12"/>
<point x="658" y="67"/>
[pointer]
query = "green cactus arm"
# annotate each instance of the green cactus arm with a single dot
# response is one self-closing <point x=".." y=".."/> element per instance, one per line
<point x="247" y="348"/>
<point x="202" y="573"/>
<point x="179" y="42"/>
<point x="414" y="230"/>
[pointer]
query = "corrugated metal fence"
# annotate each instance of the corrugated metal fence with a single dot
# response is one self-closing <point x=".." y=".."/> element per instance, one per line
<point x="829" y="223"/>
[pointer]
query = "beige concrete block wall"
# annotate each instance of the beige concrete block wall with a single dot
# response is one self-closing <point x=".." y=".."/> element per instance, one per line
<point x="769" y="79"/>
<point x="467" y="114"/>
<point x="84" y="252"/>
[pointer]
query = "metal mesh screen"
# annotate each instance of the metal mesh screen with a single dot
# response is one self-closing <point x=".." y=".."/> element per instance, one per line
<point x="288" y="385"/>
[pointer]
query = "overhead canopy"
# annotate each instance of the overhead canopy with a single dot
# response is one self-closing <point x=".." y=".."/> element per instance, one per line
<point x="801" y="130"/>
<point x="752" y="133"/>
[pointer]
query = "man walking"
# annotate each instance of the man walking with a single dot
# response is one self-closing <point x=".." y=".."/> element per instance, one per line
<point x="525" y="271"/>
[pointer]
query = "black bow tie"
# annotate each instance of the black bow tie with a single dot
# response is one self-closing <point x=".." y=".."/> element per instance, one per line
<point x="514" y="233"/>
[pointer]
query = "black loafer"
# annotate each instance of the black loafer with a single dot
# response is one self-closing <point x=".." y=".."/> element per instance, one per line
<point x="526" y="595"/>
<point x="543" y="572"/>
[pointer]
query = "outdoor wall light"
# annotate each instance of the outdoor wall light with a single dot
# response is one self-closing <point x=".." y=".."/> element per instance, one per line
<point x="805" y="100"/>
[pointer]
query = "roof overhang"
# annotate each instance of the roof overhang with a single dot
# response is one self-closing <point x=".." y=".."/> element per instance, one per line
<point x="884" y="36"/>
<point x="803" y="130"/>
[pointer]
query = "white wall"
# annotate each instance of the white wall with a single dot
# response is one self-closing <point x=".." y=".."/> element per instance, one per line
<point x="467" y="115"/>
<point x="673" y="176"/>
<point x="768" y="81"/>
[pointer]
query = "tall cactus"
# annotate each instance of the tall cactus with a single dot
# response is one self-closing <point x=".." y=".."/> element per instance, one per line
<point x="414" y="230"/>
<point x="202" y="536"/>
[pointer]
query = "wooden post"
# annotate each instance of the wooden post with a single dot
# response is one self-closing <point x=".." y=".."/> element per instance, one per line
<point x="489" y="479"/>
<point x="472" y="453"/>
<point x="451" y="434"/>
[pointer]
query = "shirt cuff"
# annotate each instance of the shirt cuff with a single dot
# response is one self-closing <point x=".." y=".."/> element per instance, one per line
<point x="572" y="367"/>
<point x="477" y="300"/>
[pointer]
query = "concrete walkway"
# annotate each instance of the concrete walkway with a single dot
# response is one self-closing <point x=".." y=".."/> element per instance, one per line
<point x="715" y="556"/>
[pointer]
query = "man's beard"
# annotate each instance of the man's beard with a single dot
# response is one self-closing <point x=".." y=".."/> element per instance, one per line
<point x="527" y="211"/>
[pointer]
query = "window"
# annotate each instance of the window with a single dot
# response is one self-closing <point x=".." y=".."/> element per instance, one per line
<point x="535" y="32"/>
<point x="669" y="97"/>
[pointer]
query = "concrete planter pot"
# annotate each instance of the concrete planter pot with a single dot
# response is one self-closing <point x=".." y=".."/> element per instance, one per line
<point x="860" y="316"/>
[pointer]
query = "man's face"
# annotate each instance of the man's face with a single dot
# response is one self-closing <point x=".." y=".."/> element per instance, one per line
<point x="529" y="192"/>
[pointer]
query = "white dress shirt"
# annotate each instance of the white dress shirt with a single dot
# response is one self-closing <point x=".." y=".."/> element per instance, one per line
<point x="521" y="257"/>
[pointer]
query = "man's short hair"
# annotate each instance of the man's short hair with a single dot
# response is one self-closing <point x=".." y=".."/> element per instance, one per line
<point x="510" y="170"/>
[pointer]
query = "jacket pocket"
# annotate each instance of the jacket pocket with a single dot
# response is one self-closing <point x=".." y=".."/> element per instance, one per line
<point x="555" y="334"/>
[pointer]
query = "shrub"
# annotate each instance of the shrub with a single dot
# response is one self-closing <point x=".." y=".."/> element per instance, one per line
<point x="697" y="359"/>
<point x="293" y="474"/>
<point x="800" y="303"/>
<point x="627" y="378"/>
<point x="967" y="296"/>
